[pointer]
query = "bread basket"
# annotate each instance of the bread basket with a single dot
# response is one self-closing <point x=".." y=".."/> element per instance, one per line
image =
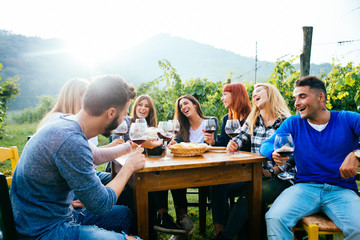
<point x="187" y="149"/>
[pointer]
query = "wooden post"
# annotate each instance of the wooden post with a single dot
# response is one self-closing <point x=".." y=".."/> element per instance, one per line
<point x="305" y="56"/>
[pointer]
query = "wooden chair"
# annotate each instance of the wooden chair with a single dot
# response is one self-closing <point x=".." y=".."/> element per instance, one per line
<point x="12" y="154"/>
<point x="203" y="203"/>
<point x="203" y="193"/>
<point x="319" y="224"/>
<point x="7" y="225"/>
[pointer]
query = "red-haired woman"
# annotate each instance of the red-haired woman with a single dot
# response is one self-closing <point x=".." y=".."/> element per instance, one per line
<point x="236" y="99"/>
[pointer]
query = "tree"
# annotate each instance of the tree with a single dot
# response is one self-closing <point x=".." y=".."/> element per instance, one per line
<point x="8" y="90"/>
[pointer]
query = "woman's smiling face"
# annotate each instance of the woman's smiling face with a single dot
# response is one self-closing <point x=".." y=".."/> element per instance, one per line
<point x="143" y="109"/>
<point x="187" y="107"/>
<point x="226" y="99"/>
<point x="260" y="97"/>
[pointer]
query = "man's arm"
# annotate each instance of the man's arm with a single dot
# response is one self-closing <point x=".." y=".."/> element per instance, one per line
<point x="349" y="167"/>
<point x="134" y="162"/>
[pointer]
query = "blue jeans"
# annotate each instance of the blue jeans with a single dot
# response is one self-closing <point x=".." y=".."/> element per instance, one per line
<point x="341" y="205"/>
<point x="86" y="225"/>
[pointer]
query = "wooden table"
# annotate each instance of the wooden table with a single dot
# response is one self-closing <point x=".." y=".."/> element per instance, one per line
<point x="211" y="168"/>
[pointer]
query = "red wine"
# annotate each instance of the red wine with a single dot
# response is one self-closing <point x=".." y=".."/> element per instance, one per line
<point x="167" y="139"/>
<point x="176" y="132"/>
<point x="286" y="152"/>
<point x="138" y="141"/>
<point x="210" y="131"/>
<point x="120" y="133"/>
<point x="233" y="134"/>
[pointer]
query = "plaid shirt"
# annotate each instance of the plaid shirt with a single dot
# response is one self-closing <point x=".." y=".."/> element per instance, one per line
<point x="260" y="133"/>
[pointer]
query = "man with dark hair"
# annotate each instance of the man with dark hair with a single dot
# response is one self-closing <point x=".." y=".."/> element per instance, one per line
<point x="57" y="163"/>
<point x="325" y="146"/>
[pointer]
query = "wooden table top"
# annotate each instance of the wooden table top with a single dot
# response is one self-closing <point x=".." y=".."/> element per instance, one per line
<point x="208" y="159"/>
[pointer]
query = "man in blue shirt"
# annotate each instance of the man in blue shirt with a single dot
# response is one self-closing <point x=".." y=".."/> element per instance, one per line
<point x="57" y="163"/>
<point x="325" y="142"/>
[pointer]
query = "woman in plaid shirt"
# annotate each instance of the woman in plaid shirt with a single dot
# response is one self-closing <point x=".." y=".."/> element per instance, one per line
<point x="269" y="110"/>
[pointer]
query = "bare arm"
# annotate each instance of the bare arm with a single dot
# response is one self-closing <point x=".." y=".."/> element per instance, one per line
<point x="134" y="162"/>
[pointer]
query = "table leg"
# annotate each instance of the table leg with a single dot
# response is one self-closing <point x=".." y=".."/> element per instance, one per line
<point x="255" y="203"/>
<point x="142" y="207"/>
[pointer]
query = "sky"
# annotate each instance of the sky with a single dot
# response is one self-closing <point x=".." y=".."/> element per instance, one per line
<point x="108" y="26"/>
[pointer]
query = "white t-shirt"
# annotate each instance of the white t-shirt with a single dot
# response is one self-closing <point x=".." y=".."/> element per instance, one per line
<point x="197" y="135"/>
<point x="318" y="127"/>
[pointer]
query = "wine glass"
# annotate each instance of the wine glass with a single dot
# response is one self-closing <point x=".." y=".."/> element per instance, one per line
<point x="166" y="132"/>
<point x="232" y="128"/>
<point x="176" y="126"/>
<point x="140" y="120"/>
<point x="209" y="125"/>
<point x="122" y="129"/>
<point x="285" y="145"/>
<point x="138" y="133"/>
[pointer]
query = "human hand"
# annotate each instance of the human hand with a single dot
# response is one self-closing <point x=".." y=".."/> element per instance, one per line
<point x="232" y="146"/>
<point x="278" y="159"/>
<point x="172" y="142"/>
<point x="349" y="167"/>
<point x="151" y="143"/>
<point x="115" y="142"/>
<point x="135" y="160"/>
<point x="209" y="138"/>
<point x="77" y="204"/>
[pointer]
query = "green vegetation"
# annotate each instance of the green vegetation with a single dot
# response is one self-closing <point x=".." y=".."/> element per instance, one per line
<point x="342" y="85"/>
<point x="8" y="90"/>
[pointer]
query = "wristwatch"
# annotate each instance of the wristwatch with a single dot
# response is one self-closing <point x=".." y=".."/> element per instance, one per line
<point x="357" y="153"/>
<point x="271" y="170"/>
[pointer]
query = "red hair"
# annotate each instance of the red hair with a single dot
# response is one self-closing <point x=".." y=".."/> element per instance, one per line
<point x="240" y="105"/>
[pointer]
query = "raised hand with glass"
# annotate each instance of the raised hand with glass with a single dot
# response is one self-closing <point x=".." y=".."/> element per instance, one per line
<point x="138" y="133"/>
<point x="232" y="128"/>
<point x="285" y="146"/>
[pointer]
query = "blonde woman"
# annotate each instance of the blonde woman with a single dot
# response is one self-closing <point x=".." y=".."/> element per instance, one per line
<point x="269" y="110"/>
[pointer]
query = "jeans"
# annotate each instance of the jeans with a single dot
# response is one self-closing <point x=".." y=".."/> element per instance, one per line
<point x="236" y="221"/>
<point x="341" y="205"/>
<point x="86" y="225"/>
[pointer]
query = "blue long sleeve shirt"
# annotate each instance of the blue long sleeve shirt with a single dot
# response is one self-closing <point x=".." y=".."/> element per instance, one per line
<point x="319" y="155"/>
<point x="55" y="164"/>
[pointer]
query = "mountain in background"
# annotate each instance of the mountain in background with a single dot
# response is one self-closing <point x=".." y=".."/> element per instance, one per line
<point x="43" y="66"/>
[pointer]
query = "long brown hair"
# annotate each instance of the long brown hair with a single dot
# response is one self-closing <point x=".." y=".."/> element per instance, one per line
<point x="151" y="117"/>
<point x="240" y="105"/>
<point x="183" y="120"/>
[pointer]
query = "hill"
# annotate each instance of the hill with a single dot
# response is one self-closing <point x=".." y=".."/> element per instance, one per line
<point x="43" y="65"/>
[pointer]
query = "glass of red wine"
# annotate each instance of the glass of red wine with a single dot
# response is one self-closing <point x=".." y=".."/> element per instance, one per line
<point x="209" y="125"/>
<point x="232" y="128"/>
<point x="122" y="129"/>
<point x="166" y="132"/>
<point x="138" y="133"/>
<point x="285" y="145"/>
<point x="176" y="126"/>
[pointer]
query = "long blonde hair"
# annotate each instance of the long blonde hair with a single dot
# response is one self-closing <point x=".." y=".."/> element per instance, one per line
<point x="275" y="105"/>
<point x="69" y="99"/>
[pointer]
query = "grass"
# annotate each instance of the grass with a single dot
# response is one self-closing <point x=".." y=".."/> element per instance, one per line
<point x="16" y="135"/>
